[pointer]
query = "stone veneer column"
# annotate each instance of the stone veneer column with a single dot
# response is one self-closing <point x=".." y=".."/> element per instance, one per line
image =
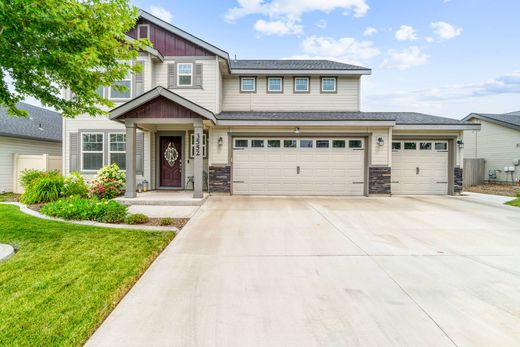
<point x="220" y="179"/>
<point x="379" y="180"/>
<point x="458" y="177"/>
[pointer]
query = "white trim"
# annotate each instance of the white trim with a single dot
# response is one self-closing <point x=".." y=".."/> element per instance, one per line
<point x="308" y="85"/>
<point x="269" y="86"/>
<point x="335" y="90"/>
<point x="184" y="74"/>
<point x="102" y="149"/>
<point x="437" y="127"/>
<point x="306" y="123"/>
<point x="301" y="72"/>
<point x="139" y="26"/>
<point x="254" y="84"/>
<point x="111" y="151"/>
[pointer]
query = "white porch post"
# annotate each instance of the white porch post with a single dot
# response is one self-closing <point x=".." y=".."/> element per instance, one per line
<point x="197" y="162"/>
<point x="130" y="160"/>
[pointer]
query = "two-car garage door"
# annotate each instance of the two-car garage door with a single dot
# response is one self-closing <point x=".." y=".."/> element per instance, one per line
<point x="298" y="166"/>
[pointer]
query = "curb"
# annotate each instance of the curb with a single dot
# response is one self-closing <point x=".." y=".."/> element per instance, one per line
<point x="6" y="251"/>
<point x="28" y="211"/>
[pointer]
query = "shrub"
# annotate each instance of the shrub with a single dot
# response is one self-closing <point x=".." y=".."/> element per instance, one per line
<point x="86" y="209"/>
<point x="108" y="183"/>
<point x="137" y="218"/>
<point x="165" y="221"/>
<point x="74" y="184"/>
<point x="29" y="176"/>
<point x="44" y="187"/>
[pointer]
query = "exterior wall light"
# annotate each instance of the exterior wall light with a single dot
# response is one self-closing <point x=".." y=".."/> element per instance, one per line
<point x="460" y="144"/>
<point x="380" y="141"/>
<point x="297" y="130"/>
<point x="220" y="141"/>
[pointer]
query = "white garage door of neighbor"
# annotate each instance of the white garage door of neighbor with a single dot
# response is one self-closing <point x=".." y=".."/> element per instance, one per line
<point x="288" y="166"/>
<point x="420" y="167"/>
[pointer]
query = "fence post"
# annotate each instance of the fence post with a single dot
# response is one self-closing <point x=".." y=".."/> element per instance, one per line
<point x="45" y="158"/>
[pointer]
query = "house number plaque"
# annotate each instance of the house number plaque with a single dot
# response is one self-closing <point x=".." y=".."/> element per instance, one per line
<point x="197" y="144"/>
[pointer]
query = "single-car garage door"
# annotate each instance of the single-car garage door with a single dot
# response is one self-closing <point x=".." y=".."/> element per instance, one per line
<point x="420" y="167"/>
<point x="303" y="166"/>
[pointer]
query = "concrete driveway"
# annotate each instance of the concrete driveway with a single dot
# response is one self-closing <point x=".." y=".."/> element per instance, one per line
<point x="255" y="271"/>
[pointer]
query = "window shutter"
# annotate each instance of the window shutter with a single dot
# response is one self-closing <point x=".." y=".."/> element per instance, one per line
<point x="74" y="152"/>
<point x="198" y="75"/>
<point x="139" y="81"/>
<point x="139" y="153"/>
<point x="171" y="76"/>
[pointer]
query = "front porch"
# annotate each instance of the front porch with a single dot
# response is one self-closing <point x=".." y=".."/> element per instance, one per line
<point x="164" y="198"/>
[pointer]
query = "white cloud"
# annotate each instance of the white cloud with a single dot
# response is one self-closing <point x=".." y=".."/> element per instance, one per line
<point x="445" y="31"/>
<point x="322" y="24"/>
<point x="291" y="11"/>
<point x="346" y="49"/>
<point x="369" y="31"/>
<point x="161" y="13"/>
<point x="405" y="58"/>
<point x="406" y="33"/>
<point x="278" y="27"/>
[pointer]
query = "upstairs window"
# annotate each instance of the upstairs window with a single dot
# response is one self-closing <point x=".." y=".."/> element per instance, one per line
<point x="143" y="31"/>
<point x="248" y="84"/>
<point x="122" y="94"/>
<point x="100" y="91"/>
<point x="184" y="74"/>
<point x="301" y="85"/>
<point x="274" y="84"/>
<point x="328" y="84"/>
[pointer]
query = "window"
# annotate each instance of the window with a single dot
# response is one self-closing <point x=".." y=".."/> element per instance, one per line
<point x="257" y="143"/>
<point x="328" y="84"/>
<point x="301" y="85"/>
<point x="305" y="143"/>
<point x="425" y="146"/>
<point x="117" y="150"/>
<point x="120" y="93"/>
<point x="338" y="143"/>
<point x="184" y="74"/>
<point x="396" y="146"/>
<point x="143" y="31"/>
<point x="100" y="91"/>
<point x="204" y="145"/>
<point x="441" y="146"/>
<point x="289" y="143"/>
<point x="355" y="144"/>
<point x="91" y="151"/>
<point x="274" y="85"/>
<point x="322" y="143"/>
<point x="410" y="145"/>
<point x="248" y="84"/>
<point x="273" y="143"/>
<point x="241" y="143"/>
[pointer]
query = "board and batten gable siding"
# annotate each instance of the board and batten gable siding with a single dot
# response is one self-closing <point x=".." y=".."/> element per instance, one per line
<point x="10" y="145"/>
<point x="345" y="99"/>
<point x="496" y="144"/>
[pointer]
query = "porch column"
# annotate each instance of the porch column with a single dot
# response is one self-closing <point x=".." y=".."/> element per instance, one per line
<point x="197" y="162"/>
<point x="130" y="161"/>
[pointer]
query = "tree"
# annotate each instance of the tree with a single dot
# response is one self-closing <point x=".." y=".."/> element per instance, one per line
<point x="47" y="46"/>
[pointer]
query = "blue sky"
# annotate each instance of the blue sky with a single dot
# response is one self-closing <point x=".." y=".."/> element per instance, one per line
<point x="445" y="57"/>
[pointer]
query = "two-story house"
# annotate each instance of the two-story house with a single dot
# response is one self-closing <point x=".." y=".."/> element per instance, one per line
<point x="196" y="119"/>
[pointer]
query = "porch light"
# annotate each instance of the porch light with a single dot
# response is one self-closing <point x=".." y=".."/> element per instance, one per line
<point x="380" y="141"/>
<point x="297" y="130"/>
<point x="460" y="144"/>
<point x="220" y="141"/>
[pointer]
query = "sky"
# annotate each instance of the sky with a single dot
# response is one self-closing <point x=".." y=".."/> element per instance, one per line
<point x="443" y="57"/>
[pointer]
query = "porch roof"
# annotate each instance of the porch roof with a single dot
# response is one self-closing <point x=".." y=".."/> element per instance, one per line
<point x="160" y="102"/>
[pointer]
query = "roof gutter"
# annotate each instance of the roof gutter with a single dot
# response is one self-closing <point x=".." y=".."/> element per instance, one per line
<point x="300" y="72"/>
<point x="371" y="123"/>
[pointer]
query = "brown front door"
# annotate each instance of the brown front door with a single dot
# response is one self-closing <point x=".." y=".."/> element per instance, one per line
<point x="171" y="161"/>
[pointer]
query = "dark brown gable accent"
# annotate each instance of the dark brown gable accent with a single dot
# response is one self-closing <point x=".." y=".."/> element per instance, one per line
<point x="170" y="44"/>
<point x="160" y="107"/>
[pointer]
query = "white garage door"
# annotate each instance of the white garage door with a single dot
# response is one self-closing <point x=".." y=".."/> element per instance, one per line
<point x="285" y="166"/>
<point x="420" y="167"/>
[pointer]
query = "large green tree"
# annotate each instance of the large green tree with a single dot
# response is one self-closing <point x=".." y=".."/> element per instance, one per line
<point x="47" y="46"/>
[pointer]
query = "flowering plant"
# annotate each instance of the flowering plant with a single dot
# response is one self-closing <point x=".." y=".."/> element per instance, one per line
<point x="108" y="183"/>
<point x="74" y="185"/>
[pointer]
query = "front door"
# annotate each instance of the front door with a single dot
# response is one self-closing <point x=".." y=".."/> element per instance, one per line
<point x="171" y="161"/>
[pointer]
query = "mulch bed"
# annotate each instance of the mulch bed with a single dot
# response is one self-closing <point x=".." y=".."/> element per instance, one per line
<point x="495" y="189"/>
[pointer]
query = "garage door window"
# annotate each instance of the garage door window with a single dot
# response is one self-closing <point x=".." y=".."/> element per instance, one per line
<point x="257" y="143"/>
<point x="338" y="143"/>
<point x="355" y="144"/>
<point x="289" y="143"/>
<point x="305" y="143"/>
<point x="410" y="146"/>
<point x="425" y="146"/>
<point x="241" y="143"/>
<point x="273" y="143"/>
<point x="396" y="146"/>
<point x="322" y="143"/>
<point x="441" y="146"/>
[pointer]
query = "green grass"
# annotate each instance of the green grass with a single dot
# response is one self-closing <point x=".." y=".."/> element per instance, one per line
<point x="515" y="202"/>
<point x="66" y="278"/>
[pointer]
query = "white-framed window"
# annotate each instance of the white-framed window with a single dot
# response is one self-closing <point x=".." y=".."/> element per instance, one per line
<point x="247" y="84"/>
<point x="357" y="144"/>
<point x="92" y="156"/>
<point x="100" y="91"/>
<point x="425" y="146"/>
<point x="322" y="143"/>
<point x="396" y="146"/>
<point x="275" y="84"/>
<point x="143" y="31"/>
<point x="240" y="143"/>
<point x="441" y="146"/>
<point x="204" y="145"/>
<point x="117" y="149"/>
<point x="122" y="94"/>
<point x="306" y="143"/>
<point x="410" y="146"/>
<point x="185" y="74"/>
<point x="328" y="84"/>
<point x="301" y="84"/>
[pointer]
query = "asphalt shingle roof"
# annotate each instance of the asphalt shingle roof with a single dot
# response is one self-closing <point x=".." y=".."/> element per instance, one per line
<point x="399" y="117"/>
<point x="292" y="65"/>
<point x="512" y="119"/>
<point x="41" y="124"/>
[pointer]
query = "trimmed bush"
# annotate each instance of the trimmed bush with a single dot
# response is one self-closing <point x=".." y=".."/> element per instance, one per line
<point x="86" y="209"/>
<point x="137" y="218"/>
<point x="29" y="176"/>
<point x="108" y="183"/>
<point x="44" y="187"/>
<point x="166" y="221"/>
<point x="74" y="185"/>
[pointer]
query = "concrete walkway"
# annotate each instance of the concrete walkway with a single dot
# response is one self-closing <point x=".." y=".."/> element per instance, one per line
<point x="414" y="271"/>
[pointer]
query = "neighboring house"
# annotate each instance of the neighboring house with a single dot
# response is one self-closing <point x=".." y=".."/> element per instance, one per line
<point x="498" y="142"/>
<point x="37" y="134"/>
<point x="273" y="127"/>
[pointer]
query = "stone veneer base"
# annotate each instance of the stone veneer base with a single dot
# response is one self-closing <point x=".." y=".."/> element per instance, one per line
<point x="220" y="179"/>
<point x="379" y="180"/>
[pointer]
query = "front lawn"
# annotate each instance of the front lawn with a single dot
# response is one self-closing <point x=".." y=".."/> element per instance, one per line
<point x="515" y="202"/>
<point x="66" y="278"/>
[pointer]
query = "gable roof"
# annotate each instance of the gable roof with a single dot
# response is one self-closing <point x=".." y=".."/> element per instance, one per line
<point x="154" y="93"/>
<point x="291" y="65"/>
<point x="509" y="120"/>
<point x="40" y="124"/>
